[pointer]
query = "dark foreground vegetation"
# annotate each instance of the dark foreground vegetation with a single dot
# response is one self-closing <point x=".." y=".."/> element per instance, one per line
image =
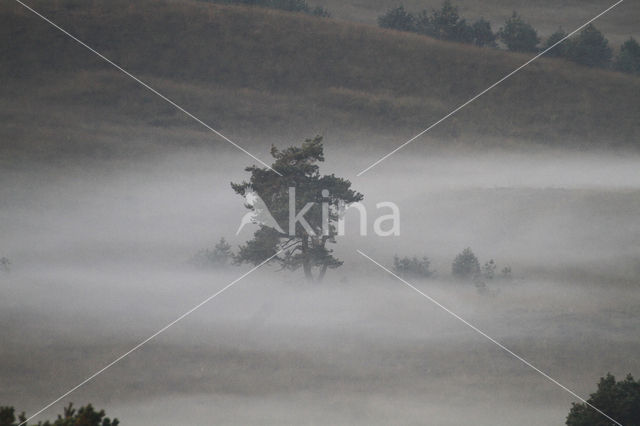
<point x="83" y="416"/>
<point x="620" y="400"/>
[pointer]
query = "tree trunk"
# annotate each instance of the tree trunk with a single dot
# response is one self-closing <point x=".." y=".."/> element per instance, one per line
<point x="322" y="272"/>
<point x="306" y="266"/>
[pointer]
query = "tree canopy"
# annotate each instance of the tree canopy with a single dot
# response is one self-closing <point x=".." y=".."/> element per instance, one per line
<point x="466" y="265"/>
<point x="305" y="205"/>
<point x="561" y="49"/>
<point x="589" y="48"/>
<point x="444" y="23"/>
<point x="628" y="59"/>
<point x="620" y="400"/>
<point x="518" y="35"/>
<point x="397" y="18"/>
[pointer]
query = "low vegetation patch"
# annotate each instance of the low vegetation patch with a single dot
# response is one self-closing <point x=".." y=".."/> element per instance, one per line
<point x="412" y="267"/>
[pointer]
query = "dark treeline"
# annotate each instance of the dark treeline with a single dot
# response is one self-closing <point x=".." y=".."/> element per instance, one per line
<point x="444" y="24"/>
<point x="589" y="48"/>
<point x="288" y="5"/>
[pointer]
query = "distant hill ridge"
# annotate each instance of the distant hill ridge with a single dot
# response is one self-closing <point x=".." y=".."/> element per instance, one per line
<point x="240" y="64"/>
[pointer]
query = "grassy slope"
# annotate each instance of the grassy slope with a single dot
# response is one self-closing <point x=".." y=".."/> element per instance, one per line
<point x="248" y="69"/>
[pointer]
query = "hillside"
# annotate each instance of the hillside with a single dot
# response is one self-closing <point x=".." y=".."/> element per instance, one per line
<point x="251" y="71"/>
<point x="545" y="15"/>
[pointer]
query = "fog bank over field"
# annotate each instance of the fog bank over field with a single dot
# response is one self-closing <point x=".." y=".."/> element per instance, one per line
<point x="100" y="261"/>
<point x="535" y="209"/>
<point x="110" y="199"/>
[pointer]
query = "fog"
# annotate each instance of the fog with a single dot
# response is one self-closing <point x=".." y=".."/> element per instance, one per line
<point x="100" y="261"/>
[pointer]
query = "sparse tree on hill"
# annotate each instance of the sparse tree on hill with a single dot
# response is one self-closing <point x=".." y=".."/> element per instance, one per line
<point x="561" y="49"/>
<point x="466" y="265"/>
<point x="422" y="23"/>
<point x="628" y="59"/>
<point x="518" y="35"/>
<point x="619" y="400"/>
<point x="290" y="5"/>
<point x="305" y="244"/>
<point x="397" y="19"/>
<point x="483" y="35"/>
<point x="320" y="12"/>
<point x="446" y="24"/>
<point x="590" y="48"/>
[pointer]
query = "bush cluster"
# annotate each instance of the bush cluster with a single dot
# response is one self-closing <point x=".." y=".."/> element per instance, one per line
<point x="218" y="256"/>
<point x="407" y="267"/>
<point x="466" y="267"/>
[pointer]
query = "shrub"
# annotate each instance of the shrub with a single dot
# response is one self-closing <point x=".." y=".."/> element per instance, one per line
<point x="466" y="266"/>
<point x="489" y="270"/>
<point x="628" y="59"/>
<point x="620" y="400"/>
<point x="412" y="267"/>
<point x="506" y="273"/>
<point x="590" y="48"/>
<point x="220" y="255"/>
<point x="518" y="35"/>
<point x="5" y="264"/>
<point x="397" y="19"/>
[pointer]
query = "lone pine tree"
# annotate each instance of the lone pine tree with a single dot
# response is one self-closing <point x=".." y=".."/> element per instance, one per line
<point x="305" y="205"/>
